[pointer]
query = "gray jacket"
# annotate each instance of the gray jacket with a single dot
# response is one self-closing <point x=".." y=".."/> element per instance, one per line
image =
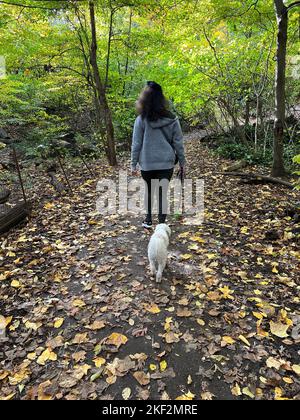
<point x="151" y="150"/>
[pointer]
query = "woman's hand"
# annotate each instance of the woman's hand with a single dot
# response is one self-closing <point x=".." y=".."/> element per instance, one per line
<point x="134" y="172"/>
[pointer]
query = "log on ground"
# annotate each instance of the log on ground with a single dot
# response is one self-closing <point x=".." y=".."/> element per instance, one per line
<point x="14" y="216"/>
<point x="252" y="178"/>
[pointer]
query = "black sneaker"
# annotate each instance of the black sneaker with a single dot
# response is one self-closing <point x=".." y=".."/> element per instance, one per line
<point x="147" y="224"/>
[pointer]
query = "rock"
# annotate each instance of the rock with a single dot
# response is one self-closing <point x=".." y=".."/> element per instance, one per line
<point x="3" y="134"/>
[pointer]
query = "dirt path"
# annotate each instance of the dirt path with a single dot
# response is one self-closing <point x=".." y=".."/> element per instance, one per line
<point x="84" y="319"/>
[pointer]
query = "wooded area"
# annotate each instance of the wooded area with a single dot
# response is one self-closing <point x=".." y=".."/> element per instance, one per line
<point x="80" y="317"/>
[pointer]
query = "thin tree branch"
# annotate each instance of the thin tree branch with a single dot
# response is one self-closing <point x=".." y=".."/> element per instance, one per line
<point x="31" y="6"/>
<point x="291" y="6"/>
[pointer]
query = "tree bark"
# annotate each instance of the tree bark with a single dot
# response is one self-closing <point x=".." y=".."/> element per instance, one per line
<point x="278" y="168"/>
<point x="16" y="215"/>
<point x="4" y="196"/>
<point x="259" y="179"/>
<point x="110" y="34"/>
<point x="259" y="120"/>
<point x="247" y="113"/>
<point x="127" y="53"/>
<point x="101" y="95"/>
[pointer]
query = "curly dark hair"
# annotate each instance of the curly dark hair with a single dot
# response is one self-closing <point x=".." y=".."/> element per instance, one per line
<point x="152" y="103"/>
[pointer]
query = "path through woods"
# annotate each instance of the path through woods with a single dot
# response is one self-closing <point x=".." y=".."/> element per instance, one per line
<point x="84" y="319"/>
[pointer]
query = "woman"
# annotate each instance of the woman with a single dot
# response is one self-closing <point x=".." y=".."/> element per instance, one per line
<point x="157" y="145"/>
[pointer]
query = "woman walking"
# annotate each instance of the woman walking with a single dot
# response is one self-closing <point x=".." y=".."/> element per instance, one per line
<point x="156" y="147"/>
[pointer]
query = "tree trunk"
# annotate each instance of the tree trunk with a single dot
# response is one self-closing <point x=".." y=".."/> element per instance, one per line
<point x="247" y="113"/>
<point x="15" y="215"/>
<point x="282" y="21"/>
<point x="101" y="95"/>
<point x="110" y="34"/>
<point x="259" y="120"/>
<point x="127" y="53"/>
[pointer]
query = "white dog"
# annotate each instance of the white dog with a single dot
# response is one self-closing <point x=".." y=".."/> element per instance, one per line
<point x="158" y="250"/>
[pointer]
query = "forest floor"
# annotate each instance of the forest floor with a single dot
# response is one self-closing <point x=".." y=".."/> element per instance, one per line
<point x="85" y="320"/>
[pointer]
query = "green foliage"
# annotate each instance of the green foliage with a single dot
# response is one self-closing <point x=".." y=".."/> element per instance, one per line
<point x="230" y="149"/>
<point x="296" y="160"/>
<point x="212" y="57"/>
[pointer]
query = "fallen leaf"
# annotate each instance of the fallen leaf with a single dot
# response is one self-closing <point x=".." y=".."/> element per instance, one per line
<point x="126" y="393"/>
<point x="188" y="396"/>
<point x="58" y="322"/>
<point x="278" y="329"/>
<point x="142" y="378"/>
<point x="163" y="366"/>
<point x="47" y="355"/>
<point x="116" y="339"/>
<point x="99" y="361"/>
<point x="153" y="309"/>
<point x="244" y="340"/>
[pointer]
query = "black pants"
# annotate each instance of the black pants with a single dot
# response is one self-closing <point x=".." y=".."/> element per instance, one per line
<point x="152" y="178"/>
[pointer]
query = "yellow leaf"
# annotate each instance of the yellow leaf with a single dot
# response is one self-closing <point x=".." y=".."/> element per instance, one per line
<point x="153" y="309"/>
<point x="58" y="322"/>
<point x="186" y="256"/>
<point x="116" y="339"/>
<point x="284" y="318"/>
<point x="48" y="206"/>
<point x="163" y="366"/>
<point x="168" y="323"/>
<point x="58" y="277"/>
<point x="236" y="390"/>
<point x="47" y="354"/>
<point x="9" y="396"/>
<point x="260" y="331"/>
<point x="22" y="239"/>
<point x="201" y="322"/>
<point x="184" y="235"/>
<point x="152" y="367"/>
<point x="99" y="361"/>
<point x="226" y="292"/>
<point x="15" y="283"/>
<point x="31" y="356"/>
<point x="211" y="256"/>
<point x="208" y="396"/>
<point x="288" y="380"/>
<point x="198" y="239"/>
<point x="296" y="369"/>
<point x="246" y="391"/>
<point x="274" y="363"/>
<point x="278" y="393"/>
<point x="258" y="315"/>
<point x="189" y="396"/>
<point x="82" y="369"/>
<point x="279" y="329"/>
<point x="257" y="292"/>
<point x="79" y="303"/>
<point x="226" y="340"/>
<point x="3" y="374"/>
<point x="126" y="393"/>
<point x="244" y="340"/>
<point x="33" y="325"/>
<point x="244" y="230"/>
